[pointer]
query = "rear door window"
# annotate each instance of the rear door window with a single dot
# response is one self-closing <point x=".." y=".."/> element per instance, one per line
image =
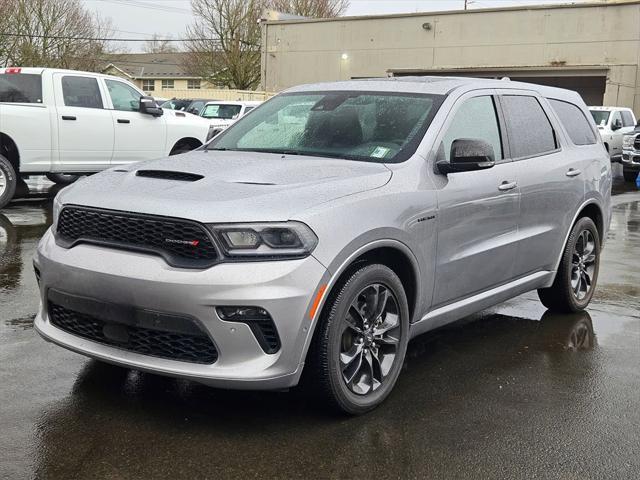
<point x="530" y="131"/>
<point x="574" y="121"/>
<point x="20" y="88"/>
<point x="81" y="92"/>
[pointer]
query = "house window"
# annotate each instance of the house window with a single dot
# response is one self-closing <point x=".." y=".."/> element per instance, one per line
<point x="167" y="84"/>
<point x="148" y="85"/>
<point x="193" y="84"/>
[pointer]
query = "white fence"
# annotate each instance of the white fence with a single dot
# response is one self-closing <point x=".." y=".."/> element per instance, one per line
<point x="217" y="94"/>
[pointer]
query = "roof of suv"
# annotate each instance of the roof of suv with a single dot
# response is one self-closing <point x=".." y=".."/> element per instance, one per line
<point x="433" y="84"/>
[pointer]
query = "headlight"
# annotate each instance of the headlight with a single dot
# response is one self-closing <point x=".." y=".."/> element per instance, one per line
<point x="627" y="141"/>
<point x="272" y="240"/>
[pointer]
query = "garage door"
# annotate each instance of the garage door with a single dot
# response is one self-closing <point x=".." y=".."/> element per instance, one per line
<point x="589" y="84"/>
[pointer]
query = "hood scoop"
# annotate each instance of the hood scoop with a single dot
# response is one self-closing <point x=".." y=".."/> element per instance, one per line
<point x="170" y="175"/>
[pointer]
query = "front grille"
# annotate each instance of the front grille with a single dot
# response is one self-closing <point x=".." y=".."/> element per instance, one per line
<point x="169" y="175"/>
<point x="636" y="144"/>
<point x="174" y="345"/>
<point x="182" y="243"/>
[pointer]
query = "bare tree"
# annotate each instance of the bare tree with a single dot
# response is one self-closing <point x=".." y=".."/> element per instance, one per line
<point x="311" y="8"/>
<point x="159" y="45"/>
<point x="53" y="33"/>
<point x="224" y="41"/>
<point x="224" y="44"/>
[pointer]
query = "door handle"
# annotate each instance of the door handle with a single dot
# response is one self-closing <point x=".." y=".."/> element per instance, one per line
<point x="505" y="186"/>
<point x="68" y="117"/>
<point x="123" y="120"/>
<point x="572" y="172"/>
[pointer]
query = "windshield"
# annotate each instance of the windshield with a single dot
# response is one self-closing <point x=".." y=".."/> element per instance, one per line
<point x="601" y="117"/>
<point x="369" y="126"/>
<point x="221" y="111"/>
<point x="176" y="104"/>
<point x="20" y="88"/>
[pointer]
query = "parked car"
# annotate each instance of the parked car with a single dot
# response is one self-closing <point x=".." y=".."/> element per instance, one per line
<point x="62" y="123"/>
<point x="224" y="114"/>
<point x="401" y="205"/>
<point x="189" y="105"/>
<point x="631" y="155"/>
<point x="613" y="123"/>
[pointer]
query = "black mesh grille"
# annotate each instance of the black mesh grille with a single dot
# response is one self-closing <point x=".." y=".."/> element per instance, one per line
<point x="182" y="243"/>
<point x="636" y="144"/>
<point x="169" y="175"/>
<point x="194" y="348"/>
<point x="270" y="341"/>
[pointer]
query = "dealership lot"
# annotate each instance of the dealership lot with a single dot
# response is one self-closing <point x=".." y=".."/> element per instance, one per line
<point x="512" y="392"/>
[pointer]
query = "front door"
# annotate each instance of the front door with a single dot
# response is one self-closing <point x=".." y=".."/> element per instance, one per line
<point x="85" y="128"/>
<point x="477" y="211"/>
<point x="138" y="136"/>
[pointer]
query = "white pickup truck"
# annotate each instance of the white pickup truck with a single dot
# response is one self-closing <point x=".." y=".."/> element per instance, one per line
<point x="61" y="123"/>
<point x="613" y="123"/>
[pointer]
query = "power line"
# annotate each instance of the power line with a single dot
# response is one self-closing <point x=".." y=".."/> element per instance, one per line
<point x="111" y="39"/>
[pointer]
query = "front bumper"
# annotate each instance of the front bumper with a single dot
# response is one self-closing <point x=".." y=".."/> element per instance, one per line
<point x="284" y="288"/>
<point x="631" y="160"/>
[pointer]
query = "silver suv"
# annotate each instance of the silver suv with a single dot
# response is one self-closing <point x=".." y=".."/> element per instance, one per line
<point x="321" y="243"/>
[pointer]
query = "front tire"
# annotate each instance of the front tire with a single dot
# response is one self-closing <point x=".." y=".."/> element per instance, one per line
<point x="62" y="178"/>
<point x="577" y="274"/>
<point x="629" y="175"/>
<point x="8" y="181"/>
<point x="361" y="340"/>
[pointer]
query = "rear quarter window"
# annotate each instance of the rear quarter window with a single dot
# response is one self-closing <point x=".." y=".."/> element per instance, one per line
<point x="530" y="132"/>
<point x="20" y="88"/>
<point x="574" y="121"/>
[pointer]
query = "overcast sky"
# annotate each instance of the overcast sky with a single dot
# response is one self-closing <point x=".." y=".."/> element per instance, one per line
<point x="168" y="18"/>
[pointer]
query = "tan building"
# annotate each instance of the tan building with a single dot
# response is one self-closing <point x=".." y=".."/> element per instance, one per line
<point x="592" y="48"/>
<point x="156" y="73"/>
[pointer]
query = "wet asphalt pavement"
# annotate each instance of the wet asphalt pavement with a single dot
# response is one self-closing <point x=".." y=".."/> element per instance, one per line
<point x="512" y="392"/>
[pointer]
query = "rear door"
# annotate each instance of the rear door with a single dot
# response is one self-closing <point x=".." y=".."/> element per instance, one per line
<point x="85" y="128"/>
<point x="477" y="211"/>
<point x="138" y="136"/>
<point x="551" y="179"/>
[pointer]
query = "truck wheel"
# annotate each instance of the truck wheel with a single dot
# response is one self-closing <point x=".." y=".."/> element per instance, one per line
<point x="577" y="274"/>
<point x="62" y="178"/>
<point x="629" y="175"/>
<point x="8" y="181"/>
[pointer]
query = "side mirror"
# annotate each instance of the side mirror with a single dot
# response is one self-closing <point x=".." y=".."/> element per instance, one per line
<point x="617" y="124"/>
<point x="468" y="155"/>
<point x="149" y="106"/>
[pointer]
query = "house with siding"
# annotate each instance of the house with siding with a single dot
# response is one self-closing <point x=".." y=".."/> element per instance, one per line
<point x="158" y="74"/>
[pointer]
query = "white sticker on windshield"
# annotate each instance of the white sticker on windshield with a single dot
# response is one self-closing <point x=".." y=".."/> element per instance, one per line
<point x="380" y="152"/>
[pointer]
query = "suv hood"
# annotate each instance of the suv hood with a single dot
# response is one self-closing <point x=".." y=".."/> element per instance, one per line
<point x="234" y="186"/>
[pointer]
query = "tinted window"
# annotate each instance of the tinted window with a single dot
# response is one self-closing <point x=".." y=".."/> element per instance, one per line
<point x="475" y="119"/>
<point x="123" y="97"/>
<point x="81" y="92"/>
<point x="627" y="119"/>
<point x="354" y="125"/>
<point x="530" y="132"/>
<point x="574" y="121"/>
<point x="20" y="88"/>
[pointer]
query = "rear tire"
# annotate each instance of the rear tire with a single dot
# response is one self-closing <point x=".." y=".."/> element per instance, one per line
<point x="577" y="274"/>
<point x="62" y="178"/>
<point x="361" y="340"/>
<point x="629" y="175"/>
<point x="8" y="181"/>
